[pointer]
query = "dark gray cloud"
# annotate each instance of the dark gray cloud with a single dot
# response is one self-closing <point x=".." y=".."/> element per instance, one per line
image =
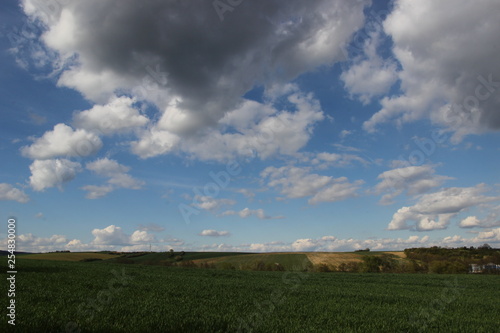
<point x="202" y="63"/>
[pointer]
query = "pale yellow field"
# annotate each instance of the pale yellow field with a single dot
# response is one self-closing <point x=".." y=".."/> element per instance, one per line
<point x="399" y="254"/>
<point x="77" y="256"/>
<point x="331" y="259"/>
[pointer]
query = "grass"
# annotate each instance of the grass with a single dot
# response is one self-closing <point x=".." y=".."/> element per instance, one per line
<point x="102" y="296"/>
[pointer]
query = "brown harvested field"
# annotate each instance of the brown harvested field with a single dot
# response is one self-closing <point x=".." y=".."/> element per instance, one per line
<point x="330" y="258"/>
<point x="399" y="254"/>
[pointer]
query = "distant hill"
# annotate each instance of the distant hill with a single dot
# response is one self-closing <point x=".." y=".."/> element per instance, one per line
<point x="69" y="256"/>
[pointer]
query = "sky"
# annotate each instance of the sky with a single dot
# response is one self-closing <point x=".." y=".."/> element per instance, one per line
<point x="254" y="126"/>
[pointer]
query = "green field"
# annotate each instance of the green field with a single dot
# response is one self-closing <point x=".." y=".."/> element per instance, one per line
<point x="57" y="296"/>
<point x="289" y="261"/>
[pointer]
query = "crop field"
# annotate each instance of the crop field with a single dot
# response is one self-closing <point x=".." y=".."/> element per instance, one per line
<point x="289" y="261"/>
<point x="58" y="296"/>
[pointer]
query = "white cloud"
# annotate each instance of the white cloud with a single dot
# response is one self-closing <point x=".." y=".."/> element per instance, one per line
<point x="469" y="222"/>
<point x="211" y="203"/>
<point x="8" y="192"/>
<point x="141" y="237"/>
<point x="63" y="141"/>
<point x="296" y="182"/>
<point x="252" y="129"/>
<point x="434" y="210"/>
<point x="345" y="133"/>
<point x="119" y="115"/>
<point x="96" y="192"/>
<point x="51" y="173"/>
<point x="371" y="75"/>
<point x="154" y="142"/>
<point x="247" y="212"/>
<point x="325" y="160"/>
<point x="113" y="235"/>
<point x="490" y="218"/>
<point x="214" y="233"/>
<point x="117" y="174"/>
<point x="306" y="244"/>
<point x="411" y="179"/>
<point x="284" y="40"/>
<point x="440" y="78"/>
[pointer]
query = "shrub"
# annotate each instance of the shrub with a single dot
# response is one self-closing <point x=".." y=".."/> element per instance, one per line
<point x="323" y="268"/>
<point x="90" y="259"/>
<point x="227" y="265"/>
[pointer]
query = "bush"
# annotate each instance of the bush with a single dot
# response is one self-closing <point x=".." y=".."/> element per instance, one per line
<point x="323" y="268"/>
<point x="187" y="263"/>
<point x="207" y="265"/>
<point x="123" y="260"/>
<point x="227" y="265"/>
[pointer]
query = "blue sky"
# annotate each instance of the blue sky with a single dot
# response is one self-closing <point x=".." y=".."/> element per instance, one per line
<point x="277" y="127"/>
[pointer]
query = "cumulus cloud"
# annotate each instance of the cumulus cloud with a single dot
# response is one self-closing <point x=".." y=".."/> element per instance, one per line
<point x="114" y="235"/>
<point x="252" y="129"/>
<point x="411" y="180"/>
<point x="51" y="173"/>
<point x="247" y="212"/>
<point x="143" y="48"/>
<point x="117" y="174"/>
<point x="490" y="218"/>
<point x="370" y="75"/>
<point x="141" y="236"/>
<point x="63" y="141"/>
<point x="8" y="192"/>
<point x="119" y="115"/>
<point x="295" y="182"/>
<point x="434" y="210"/>
<point x="31" y="240"/>
<point x="196" y="86"/>
<point x="469" y="222"/>
<point x="454" y="86"/>
<point x="214" y="233"/>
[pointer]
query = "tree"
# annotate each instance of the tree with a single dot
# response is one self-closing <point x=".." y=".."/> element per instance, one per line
<point x="371" y="264"/>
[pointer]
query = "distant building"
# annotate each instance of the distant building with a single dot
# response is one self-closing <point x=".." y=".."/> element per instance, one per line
<point x="491" y="267"/>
